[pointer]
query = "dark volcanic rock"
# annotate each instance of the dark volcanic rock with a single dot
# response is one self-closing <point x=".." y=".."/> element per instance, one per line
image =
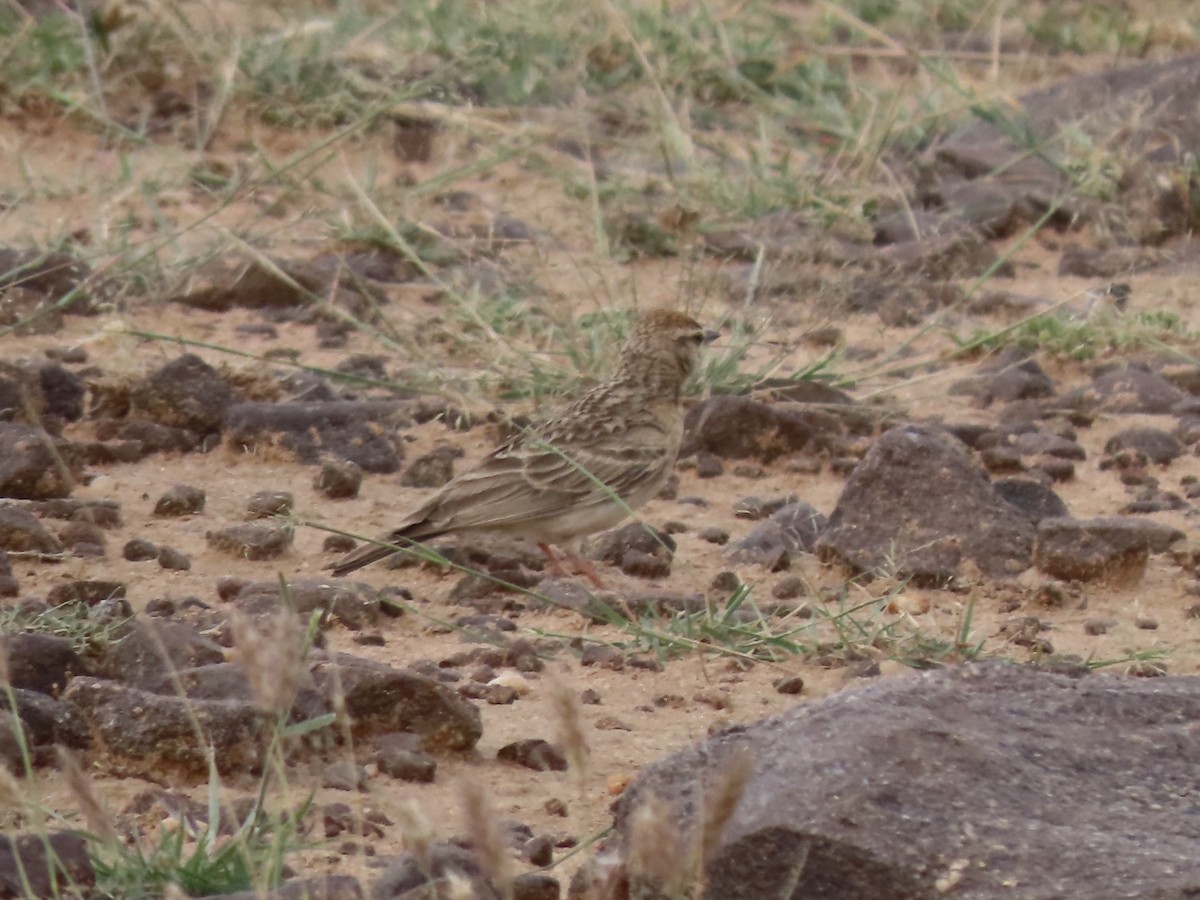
<point x="449" y="869"/>
<point x="795" y="526"/>
<point x="185" y="393"/>
<point x="41" y="864"/>
<point x="47" y="721"/>
<point x="34" y="465"/>
<point x="533" y="753"/>
<point x="89" y="592"/>
<point x="53" y="273"/>
<point x="364" y="432"/>
<point x="1135" y="389"/>
<point x="62" y="390"/>
<point x="40" y="662"/>
<point x="1040" y="781"/>
<point x="1160" y="447"/>
<point x="318" y="887"/>
<point x="180" y="500"/>
<point x="380" y="699"/>
<point x="339" y="479"/>
<point x="22" y="532"/>
<point x="1032" y="498"/>
<point x="254" y="540"/>
<point x="354" y="605"/>
<point x="265" y="504"/>
<point x="738" y="427"/>
<point x="1111" y="549"/>
<point x="154" y="735"/>
<point x="155" y="649"/>
<point x="918" y="503"/>
<point x="1012" y="375"/>
<point x="433" y="469"/>
<point x="635" y="548"/>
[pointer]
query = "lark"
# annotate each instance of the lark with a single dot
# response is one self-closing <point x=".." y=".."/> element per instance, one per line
<point x="582" y="471"/>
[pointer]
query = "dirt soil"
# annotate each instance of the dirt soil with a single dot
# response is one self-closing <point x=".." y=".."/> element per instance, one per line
<point x="643" y="714"/>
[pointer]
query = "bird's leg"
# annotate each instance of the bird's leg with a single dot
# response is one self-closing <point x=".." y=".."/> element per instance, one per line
<point x="581" y="565"/>
<point x="552" y="562"/>
<point x="585" y="568"/>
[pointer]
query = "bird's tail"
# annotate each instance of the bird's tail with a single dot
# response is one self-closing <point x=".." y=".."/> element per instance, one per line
<point x="363" y="556"/>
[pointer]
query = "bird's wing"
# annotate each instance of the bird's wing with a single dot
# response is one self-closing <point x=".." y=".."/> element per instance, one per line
<point x="534" y="479"/>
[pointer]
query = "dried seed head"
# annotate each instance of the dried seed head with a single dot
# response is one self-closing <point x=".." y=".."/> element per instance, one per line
<point x="572" y="736"/>
<point x="270" y="650"/>
<point x="660" y="859"/>
<point x="99" y="820"/>
<point x="722" y="798"/>
<point x="418" y="834"/>
<point x="11" y="795"/>
<point x="486" y="836"/>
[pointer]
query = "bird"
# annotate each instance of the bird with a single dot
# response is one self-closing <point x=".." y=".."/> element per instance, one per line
<point x="583" y="470"/>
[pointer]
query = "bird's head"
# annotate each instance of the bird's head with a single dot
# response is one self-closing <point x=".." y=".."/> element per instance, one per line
<point x="664" y="338"/>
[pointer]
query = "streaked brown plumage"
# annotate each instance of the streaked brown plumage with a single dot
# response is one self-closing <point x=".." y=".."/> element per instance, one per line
<point x="556" y="483"/>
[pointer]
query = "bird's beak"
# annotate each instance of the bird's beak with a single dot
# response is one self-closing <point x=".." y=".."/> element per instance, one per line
<point x="710" y="335"/>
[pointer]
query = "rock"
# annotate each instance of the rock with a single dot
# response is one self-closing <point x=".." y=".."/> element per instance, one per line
<point x="1134" y="389"/>
<point x="53" y="274"/>
<point x="900" y="299"/>
<point x="43" y="864"/>
<point x="173" y="560"/>
<point x="791" y="528"/>
<point x="47" y="721"/>
<point x="1010" y="378"/>
<point x="365" y="432"/>
<point x="1107" y="549"/>
<point x="1032" y="498"/>
<point x="22" y="532"/>
<point x="155" y="437"/>
<point x="397" y="756"/>
<point x="89" y="593"/>
<point x="433" y="469"/>
<point x="185" y="393"/>
<point x="32" y="461"/>
<point x="534" y="753"/>
<point x="1160" y="447"/>
<point x="287" y="284"/>
<point x="636" y="549"/>
<point x="354" y="605"/>
<point x="448" y="871"/>
<point x="884" y="790"/>
<point x="265" y="504"/>
<point x="536" y="885"/>
<point x="738" y="427"/>
<point x="1107" y="262"/>
<point x="229" y="681"/>
<point x="254" y="540"/>
<point x="154" y="650"/>
<point x="945" y="257"/>
<point x="887" y="518"/>
<point x="180" y="500"/>
<point x="153" y="736"/>
<point x="318" y="887"/>
<point x="380" y="699"/>
<point x="339" y="479"/>
<point x="40" y="662"/>
<point x="62" y="392"/>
